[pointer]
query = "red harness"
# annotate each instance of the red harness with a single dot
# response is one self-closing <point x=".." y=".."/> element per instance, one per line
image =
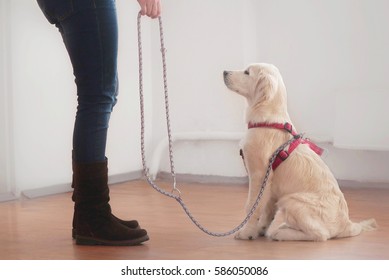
<point x="283" y="155"/>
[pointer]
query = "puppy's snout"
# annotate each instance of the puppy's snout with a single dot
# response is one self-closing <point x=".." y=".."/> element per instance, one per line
<point x="226" y="75"/>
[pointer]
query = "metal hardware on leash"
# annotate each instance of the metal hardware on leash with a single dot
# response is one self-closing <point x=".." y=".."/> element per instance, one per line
<point x="175" y="189"/>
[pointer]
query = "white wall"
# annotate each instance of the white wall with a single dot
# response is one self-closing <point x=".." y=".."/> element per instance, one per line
<point x="321" y="47"/>
<point x="325" y="49"/>
<point x="202" y="38"/>
<point x="333" y="54"/>
<point x="5" y="99"/>
<point x="44" y="98"/>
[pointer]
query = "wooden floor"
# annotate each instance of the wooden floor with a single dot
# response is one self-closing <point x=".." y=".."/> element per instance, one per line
<point x="40" y="228"/>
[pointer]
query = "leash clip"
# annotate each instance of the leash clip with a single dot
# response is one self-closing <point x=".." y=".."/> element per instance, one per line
<point x="175" y="189"/>
<point x="298" y="136"/>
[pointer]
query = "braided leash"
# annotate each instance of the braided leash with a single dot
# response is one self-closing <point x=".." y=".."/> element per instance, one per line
<point x="172" y="194"/>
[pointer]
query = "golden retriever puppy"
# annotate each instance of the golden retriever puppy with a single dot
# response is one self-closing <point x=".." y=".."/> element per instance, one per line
<point x="302" y="199"/>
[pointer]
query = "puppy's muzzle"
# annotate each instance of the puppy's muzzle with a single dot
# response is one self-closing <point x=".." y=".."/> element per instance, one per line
<point x="226" y="75"/>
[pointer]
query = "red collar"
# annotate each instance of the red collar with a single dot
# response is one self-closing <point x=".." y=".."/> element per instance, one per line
<point x="283" y="126"/>
<point x="283" y="155"/>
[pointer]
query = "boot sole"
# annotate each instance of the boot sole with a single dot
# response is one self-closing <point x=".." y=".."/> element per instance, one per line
<point x="74" y="234"/>
<point x="83" y="240"/>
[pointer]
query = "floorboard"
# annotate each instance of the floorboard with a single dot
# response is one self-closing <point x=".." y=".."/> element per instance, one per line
<point x="40" y="228"/>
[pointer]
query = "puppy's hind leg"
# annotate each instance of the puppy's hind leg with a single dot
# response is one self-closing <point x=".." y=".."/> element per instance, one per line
<point x="286" y="229"/>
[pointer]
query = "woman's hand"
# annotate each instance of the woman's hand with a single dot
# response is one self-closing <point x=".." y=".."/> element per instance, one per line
<point x="151" y="8"/>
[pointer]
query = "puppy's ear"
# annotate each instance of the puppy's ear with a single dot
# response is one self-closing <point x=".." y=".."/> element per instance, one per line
<point x="265" y="88"/>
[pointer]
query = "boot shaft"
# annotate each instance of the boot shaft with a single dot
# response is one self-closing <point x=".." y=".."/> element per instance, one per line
<point x="90" y="184"/>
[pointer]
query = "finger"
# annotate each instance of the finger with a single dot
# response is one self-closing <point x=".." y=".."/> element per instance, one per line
<point x="158" y="12"/>
<point x="143" y="8"/>
<point x="154" y="11"/>
<point x="149" y="8"/>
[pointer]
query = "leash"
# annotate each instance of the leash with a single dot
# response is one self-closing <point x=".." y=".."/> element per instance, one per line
<point x="175" y="190"/>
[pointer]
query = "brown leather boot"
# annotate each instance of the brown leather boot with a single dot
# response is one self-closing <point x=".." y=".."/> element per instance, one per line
<point x="93" y="221"/>
<point x="133" y="224"/>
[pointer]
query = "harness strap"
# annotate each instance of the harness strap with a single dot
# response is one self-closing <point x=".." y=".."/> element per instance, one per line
<point x="283" y="126"/>
<point x="284" y="154"/>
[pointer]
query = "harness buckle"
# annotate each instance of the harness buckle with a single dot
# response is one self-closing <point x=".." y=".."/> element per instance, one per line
<point x="288" y="127"/>
<point x="283" y="155"/>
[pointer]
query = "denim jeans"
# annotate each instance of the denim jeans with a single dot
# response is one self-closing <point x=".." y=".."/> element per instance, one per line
<point x="90" y="34"/>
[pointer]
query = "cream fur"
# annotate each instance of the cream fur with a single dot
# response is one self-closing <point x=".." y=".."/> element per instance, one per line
<point x="302" y="199"/>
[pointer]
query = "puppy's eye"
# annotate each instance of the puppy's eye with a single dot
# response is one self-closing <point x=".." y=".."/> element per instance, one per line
<point x="247" y="72"/>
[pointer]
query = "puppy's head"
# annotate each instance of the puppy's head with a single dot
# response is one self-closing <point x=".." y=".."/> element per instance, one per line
<point x="258" y="83"/>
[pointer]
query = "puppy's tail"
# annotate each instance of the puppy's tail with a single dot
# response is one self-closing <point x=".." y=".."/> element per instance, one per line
<point x="368" y="225"/>
<point x="354" y="229"/>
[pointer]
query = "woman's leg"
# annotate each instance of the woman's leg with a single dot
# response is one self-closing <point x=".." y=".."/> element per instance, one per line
<point x="89" y="31"/>
<point x="90" y="37"/>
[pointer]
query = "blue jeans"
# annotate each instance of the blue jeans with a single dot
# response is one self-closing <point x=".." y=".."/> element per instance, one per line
<point x="90" y="33"/>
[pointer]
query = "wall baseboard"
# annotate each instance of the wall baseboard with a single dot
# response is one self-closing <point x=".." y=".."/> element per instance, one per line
<point x="212" y="179"/>
<point x="357" y="184"/>
<point x="45" y="191"/>
<point x="7" y="197"/>
<point x="125" y="177"/>
<point x="64" y="188"/>
<point x="203" y="179"/>
<point x="165" y="176"/>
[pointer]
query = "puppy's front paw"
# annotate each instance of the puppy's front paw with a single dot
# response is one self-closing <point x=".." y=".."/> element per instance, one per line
<point x="262" y="227"/>
<point x="262" y="231"/>
<point x="247" y="234"/>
